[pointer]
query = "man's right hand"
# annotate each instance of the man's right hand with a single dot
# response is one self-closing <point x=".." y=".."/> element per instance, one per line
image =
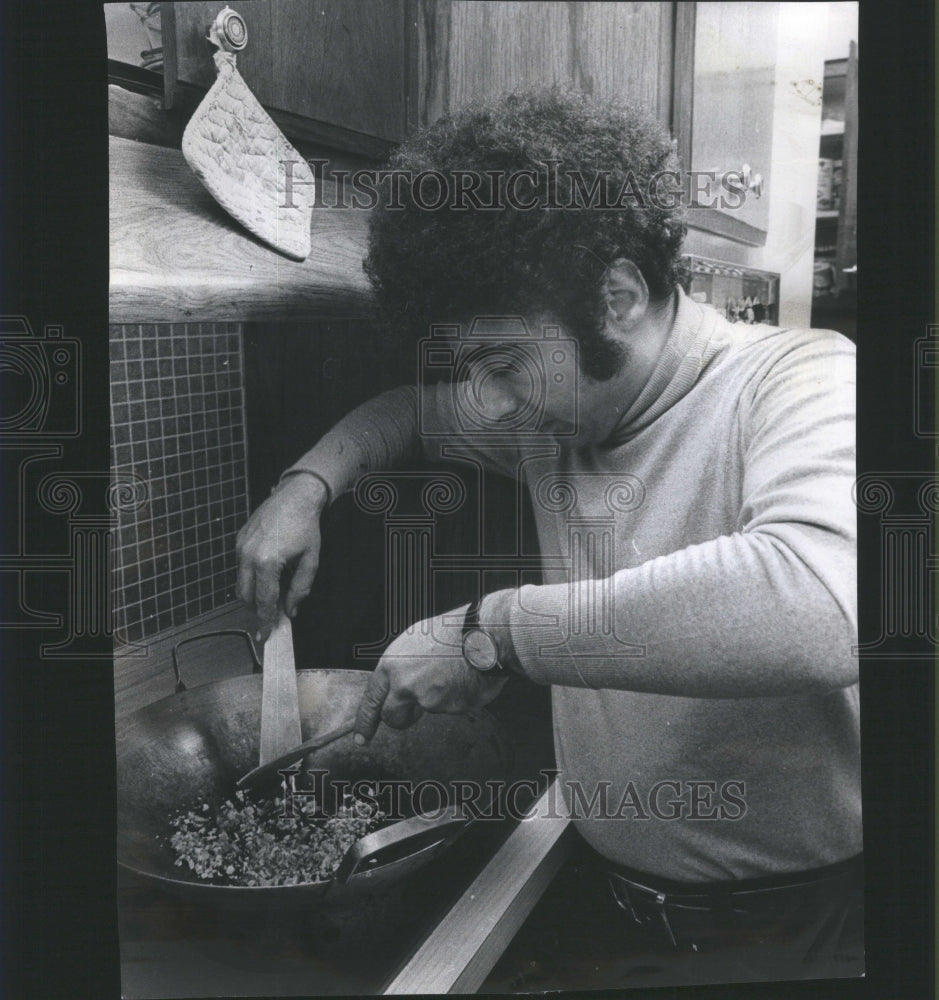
<point x="279" y="548"/>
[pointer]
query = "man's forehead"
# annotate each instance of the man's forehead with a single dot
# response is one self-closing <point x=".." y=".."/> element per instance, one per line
<point x="511" y="328"/>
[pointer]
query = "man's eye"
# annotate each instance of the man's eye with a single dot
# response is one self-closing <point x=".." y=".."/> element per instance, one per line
<point x="503" y="366"/>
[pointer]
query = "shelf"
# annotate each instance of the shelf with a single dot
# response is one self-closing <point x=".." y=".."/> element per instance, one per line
<point x="827" y="213"/>
<point x="176" y="256"/>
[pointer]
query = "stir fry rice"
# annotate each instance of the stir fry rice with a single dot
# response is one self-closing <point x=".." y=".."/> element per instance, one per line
<point x="249" y="842"/>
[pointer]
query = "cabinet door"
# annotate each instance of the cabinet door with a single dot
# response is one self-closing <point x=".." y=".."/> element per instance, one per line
<point x="733" y="91"/>
<point x="337" y="63"/>
<point x="342" y="62"/>
<point x="475" y="51"/>
<point x="193" y="50"/>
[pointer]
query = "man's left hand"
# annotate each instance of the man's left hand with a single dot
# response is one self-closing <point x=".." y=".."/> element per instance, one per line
<point x="423" y="670"/>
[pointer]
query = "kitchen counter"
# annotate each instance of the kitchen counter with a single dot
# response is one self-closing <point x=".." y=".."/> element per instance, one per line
<point x="176" y="256"/>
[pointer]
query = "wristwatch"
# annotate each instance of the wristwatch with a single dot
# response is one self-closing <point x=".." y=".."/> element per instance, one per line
<point x="480" y="649"/>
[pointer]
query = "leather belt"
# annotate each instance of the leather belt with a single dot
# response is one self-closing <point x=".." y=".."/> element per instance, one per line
<point x="658" y="905"/>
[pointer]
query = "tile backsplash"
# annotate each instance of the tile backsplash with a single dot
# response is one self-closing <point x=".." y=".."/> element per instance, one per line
<point x="177" y="425"/>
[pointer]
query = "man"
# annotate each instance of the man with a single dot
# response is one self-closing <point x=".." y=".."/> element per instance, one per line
<point x="699" y="651"/>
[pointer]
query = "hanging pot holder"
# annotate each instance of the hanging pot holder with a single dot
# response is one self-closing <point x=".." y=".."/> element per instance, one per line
<point x="243" y="159"/>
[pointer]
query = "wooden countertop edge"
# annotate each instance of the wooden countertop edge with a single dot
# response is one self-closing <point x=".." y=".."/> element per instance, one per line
<point x="175" y="256"/>
<point x="459" y="953"/>
<point x="132" y="300"/>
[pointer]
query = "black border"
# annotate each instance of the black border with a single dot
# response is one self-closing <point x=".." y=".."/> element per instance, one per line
<point x="59" y="924"/>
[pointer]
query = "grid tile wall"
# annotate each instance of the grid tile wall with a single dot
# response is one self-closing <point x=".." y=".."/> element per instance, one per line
<point x="177" y="423"/>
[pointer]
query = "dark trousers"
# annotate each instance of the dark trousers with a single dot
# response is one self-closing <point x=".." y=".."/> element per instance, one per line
<point x="808" y="925"/>
<point x="585" y="934"/>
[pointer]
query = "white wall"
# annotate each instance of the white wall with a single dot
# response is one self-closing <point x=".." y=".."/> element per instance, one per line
<point x="842" y="29"/>
<point x="790" y="243"/>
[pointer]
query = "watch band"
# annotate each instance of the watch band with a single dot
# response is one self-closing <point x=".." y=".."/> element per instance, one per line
<point x="471" y="618"/>
<point x="470" y="622"/>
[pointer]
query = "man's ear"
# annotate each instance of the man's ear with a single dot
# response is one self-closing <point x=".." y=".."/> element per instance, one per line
<point x="625" y="292"/>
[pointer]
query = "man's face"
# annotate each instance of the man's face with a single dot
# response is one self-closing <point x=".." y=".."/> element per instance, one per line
<point x="534" y="385"/>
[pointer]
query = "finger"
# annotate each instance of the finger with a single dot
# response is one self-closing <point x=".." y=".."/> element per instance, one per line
<point x="399" y="713"/>
<point x="370" y="707"/>
<point x="301" y="582"/>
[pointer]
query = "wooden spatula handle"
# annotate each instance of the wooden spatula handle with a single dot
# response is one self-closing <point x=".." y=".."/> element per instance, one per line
<point x="280" y="708"/>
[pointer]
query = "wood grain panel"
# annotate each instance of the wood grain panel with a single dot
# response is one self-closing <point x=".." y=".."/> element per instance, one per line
<point x="683" y="80"/>
<point x="619" y="51"/>
<point x="483" y="49"/>
<point x="433" y="59"/>
<point x="342" y="61"/>
<point x="176" y="255"/>
<point x="194" y="62"/>
<point x="496" y="47"/>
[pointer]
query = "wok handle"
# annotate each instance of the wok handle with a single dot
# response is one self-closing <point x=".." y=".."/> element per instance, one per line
<point x="180" y="686"/>
<point x="401" y="843"/>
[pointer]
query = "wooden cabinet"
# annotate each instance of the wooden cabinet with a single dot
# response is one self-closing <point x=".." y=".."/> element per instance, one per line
<point x="474" y="51"/>
<point x="724" y="114"/>
<point x="342" y="63"/>
<point x="358" y="74"/>
<point x="334" y="69"/>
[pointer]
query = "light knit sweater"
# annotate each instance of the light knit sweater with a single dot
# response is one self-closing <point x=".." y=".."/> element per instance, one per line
<point x="699" y="607"/>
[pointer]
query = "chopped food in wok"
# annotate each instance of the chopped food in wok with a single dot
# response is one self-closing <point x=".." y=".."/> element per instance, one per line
<point x="257" y="842"/>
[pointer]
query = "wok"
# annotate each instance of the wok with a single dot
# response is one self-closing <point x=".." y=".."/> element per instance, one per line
<point x="191" y="748"/>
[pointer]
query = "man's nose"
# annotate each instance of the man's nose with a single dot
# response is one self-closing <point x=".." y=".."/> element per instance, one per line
<point x="493" y="398"/>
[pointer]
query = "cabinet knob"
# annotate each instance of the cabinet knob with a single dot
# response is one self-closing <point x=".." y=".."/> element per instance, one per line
<point x="229" y="31"/>
<point x="751" y="181"/>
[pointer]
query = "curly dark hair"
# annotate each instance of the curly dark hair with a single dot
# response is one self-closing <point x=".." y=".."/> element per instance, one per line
<point x="446" y="265"/>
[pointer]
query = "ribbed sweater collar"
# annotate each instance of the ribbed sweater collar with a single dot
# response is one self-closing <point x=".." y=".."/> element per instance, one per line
<point x="687" y="352"/>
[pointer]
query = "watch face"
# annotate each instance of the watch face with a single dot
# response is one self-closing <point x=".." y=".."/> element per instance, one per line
<point x="479" y="650"/>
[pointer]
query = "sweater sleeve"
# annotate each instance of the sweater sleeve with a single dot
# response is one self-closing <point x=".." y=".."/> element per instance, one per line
<point x="382" y="433"/>
<point x="767" y="610"/>
<point x="395" y="428"/>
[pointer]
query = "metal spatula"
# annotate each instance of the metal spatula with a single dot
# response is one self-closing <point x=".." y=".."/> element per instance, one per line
<point x="280" y="706"/>
<point x="258" y="775"/>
